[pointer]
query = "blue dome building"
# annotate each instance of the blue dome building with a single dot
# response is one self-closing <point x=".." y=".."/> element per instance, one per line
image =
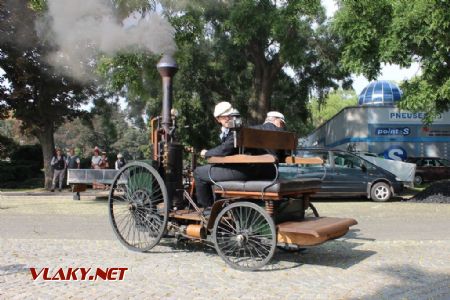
<point x="380" y="93"/>
<point x="379" y="126"/>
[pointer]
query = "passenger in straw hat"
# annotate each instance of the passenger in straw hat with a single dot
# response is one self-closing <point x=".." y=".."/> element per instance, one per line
<point x="223" y="112"/>
<point x="274" y="121"/>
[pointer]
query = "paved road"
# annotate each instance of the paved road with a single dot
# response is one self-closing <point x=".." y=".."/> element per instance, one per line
<point x="398" y="250"/>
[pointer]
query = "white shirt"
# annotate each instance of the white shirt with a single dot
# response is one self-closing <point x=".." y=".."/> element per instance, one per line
<point x="223" y="132"/>
<point x="96" y="159"/>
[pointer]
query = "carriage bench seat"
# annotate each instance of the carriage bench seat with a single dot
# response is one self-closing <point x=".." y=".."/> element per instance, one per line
<point x="274" y="190"/>
<point x="251" y="138"/>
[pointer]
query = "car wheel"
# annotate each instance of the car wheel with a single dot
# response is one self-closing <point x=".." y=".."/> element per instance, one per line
<point x="380" y="192"/>
<point x="418" y="180"/>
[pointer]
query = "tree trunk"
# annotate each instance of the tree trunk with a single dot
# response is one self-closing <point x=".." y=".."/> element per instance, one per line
<point x="265" y="74"/>
<point x="45" y="137"/>
<point x="262" y="91"/>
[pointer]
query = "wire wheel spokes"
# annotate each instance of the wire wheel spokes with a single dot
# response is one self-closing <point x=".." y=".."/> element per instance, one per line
<point x="138" y="206"/>
<point x="244" y="235"/>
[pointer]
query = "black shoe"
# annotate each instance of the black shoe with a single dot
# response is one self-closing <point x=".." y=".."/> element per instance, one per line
<point x="52" y="190"/>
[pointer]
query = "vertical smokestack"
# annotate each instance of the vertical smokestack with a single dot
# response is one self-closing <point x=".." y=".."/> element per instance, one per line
<point x="167" y="67"/>
<point x="173" y="151"/>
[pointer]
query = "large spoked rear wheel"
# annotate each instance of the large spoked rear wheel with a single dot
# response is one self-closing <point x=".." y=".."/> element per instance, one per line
<point x="138" y="206"/>
<point x="244" y="235"/>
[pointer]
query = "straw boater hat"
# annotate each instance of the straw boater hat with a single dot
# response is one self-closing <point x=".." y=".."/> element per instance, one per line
<point x="223" y="109"/>
<point x="276" y="114"/>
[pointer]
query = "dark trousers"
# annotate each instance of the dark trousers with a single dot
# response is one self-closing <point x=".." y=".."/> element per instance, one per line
<point x="203" y="184"/>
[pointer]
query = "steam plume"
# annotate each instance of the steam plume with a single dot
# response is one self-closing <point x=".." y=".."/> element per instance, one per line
<point x="83" y="29"/>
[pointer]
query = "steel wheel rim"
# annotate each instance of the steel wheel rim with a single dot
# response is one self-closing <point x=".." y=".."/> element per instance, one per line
<point x="138" y="206"/>
<point x="245" y="236"/>
<point x="381" y="192"/>
<point x="418" y="180"/>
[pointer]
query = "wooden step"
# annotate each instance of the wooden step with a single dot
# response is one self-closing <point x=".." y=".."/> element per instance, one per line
<point x="313" y="231"/>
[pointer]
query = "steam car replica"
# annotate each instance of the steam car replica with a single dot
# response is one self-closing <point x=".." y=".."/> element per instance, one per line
<point x="248" y="219"/>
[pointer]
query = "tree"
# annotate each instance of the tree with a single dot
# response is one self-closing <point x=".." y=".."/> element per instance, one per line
<point x="335" y="102"/>
<point x="107" y="127"/>
<point x="7" y="146"/>
<point x="32" y="90"/>
<point x="222" y="57"/>
<point x="400" y="32"/>
<point x="266" y="37"/>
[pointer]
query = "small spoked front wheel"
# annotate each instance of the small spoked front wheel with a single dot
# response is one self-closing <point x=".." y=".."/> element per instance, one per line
<point x="138" y="206"/>
<point x="244" y="236"/>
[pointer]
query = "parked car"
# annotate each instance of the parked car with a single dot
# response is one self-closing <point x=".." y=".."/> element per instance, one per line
<point x="345" y="175"/>
<point x="430" y="168"/>
<point x="403" y="170"/>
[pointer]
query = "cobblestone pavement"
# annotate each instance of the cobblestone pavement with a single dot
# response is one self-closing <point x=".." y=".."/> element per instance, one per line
<point x="371" y="262"/>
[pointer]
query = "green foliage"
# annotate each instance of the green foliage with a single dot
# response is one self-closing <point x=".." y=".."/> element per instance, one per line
<point x="400" y="32"/>
<point x="335" y="102"/>
<point x="38" y="5"/>
<point x="32" y="90"/>
<point x="234" y="51"/>
<point x="135" y="76"/>
<point x="106" y="127"/>
<point x="26" y="163"/>
<point x="271" y="36"/>
<point x="13" y="129"/>
<point x="7" y="146"/>
<point x="32" y="153"/>
<point x="37" y="94"/>
<point x="125" y="7"/>
<point x="19" y="174"/>
<point x="16" y="172"/>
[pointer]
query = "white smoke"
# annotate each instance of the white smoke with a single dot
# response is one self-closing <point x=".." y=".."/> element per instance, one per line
<point x="84" y="29"/>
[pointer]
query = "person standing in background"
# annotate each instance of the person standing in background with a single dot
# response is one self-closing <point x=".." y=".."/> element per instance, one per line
<point x="104" y="164"/>
<point x="96" y="159"/>
<point x="73" y="162"/>
<point x="58" y="164"/>
<point x="120" y="162"/>
<point x="95" y="164"/>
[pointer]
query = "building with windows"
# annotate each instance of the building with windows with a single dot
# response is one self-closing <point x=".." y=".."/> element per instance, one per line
<point x="377" y="125"/>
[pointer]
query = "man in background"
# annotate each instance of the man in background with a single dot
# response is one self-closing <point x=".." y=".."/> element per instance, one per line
<point x="274" y="121"/>
<point x="73" y="162"/>
<point x="58" y="164"/>
<point x="120" y="162"/>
